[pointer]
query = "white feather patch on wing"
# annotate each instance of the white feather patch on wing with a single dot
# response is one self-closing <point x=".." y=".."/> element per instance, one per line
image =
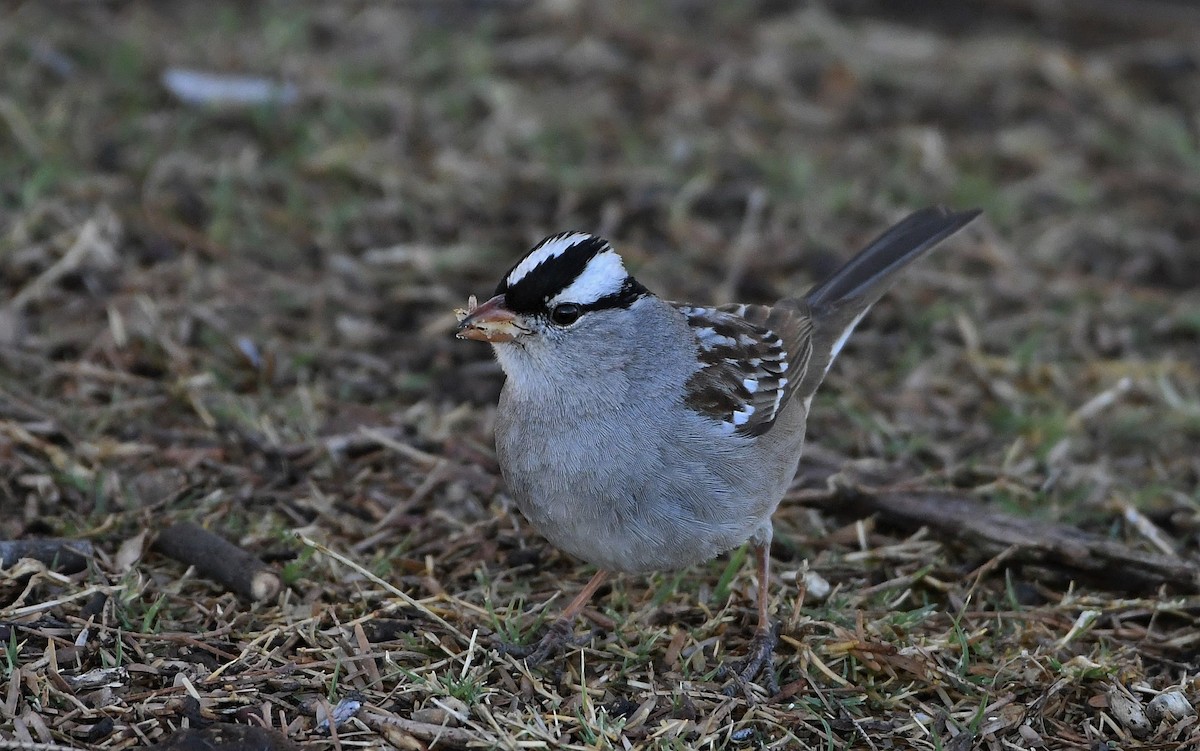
<point x="604" y="275"/>
<point x="709" y="338"/>
<point x="552" y="249"/>
<point x="841" y="340"/>
<point x="742" y="415"/>
<point x="783" y="382"/>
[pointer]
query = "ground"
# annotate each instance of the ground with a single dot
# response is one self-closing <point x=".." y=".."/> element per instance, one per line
<point x="241" y="316"/>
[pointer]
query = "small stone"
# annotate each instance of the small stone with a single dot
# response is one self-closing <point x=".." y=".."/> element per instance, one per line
<point x="817" y="586"/>
<point x="455" y="706"/>
<point x="1128" y="711"/>
<point x="1169" y="706"/>
<point x="1030" y="736"/>
<point x="435" y="716"/>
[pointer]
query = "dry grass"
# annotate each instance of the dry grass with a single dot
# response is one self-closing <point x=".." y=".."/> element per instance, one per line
<point x="242" y="317"/>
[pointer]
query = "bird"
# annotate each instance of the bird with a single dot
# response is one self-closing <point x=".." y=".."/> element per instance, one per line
<point x="639" y="434"/>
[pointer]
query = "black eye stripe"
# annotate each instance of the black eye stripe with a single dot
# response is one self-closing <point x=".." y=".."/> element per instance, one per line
<point x="630" y="292"/>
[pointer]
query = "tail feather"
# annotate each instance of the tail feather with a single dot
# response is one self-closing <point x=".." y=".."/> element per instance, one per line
<point x="868" y="275"/>
<point x="840" y="302"/>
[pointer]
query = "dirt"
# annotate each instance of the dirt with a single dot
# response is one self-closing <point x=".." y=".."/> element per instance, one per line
<point x="241" y="316"/>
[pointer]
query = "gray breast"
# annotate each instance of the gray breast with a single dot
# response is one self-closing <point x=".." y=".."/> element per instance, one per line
<point x="620" y="474"/>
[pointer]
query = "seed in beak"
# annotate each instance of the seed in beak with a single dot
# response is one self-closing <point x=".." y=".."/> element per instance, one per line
<point x="489" y="322"/>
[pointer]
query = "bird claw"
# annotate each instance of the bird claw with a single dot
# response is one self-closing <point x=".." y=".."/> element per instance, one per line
<point x="558" y="636"/>
<point x="757" y="660"/>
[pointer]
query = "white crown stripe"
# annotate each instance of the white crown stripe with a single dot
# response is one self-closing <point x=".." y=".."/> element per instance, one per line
<point x="603" y="275"/>
<point x="552" y="248"/>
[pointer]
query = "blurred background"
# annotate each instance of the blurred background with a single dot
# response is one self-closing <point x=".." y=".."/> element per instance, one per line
<point x="232" y="236"/>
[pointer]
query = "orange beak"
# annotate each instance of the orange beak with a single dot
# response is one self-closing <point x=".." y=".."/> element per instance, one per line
<point x="489" y="322"/>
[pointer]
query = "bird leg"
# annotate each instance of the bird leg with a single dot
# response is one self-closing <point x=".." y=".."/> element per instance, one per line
<point x="559" y="634"/>
<point x="762" y="645"/>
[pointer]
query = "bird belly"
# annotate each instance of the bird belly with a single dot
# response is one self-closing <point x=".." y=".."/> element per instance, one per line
<point x="642" y="509"/>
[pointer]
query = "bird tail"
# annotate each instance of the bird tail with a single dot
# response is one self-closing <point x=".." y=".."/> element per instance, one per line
<point x="841" y="301"/>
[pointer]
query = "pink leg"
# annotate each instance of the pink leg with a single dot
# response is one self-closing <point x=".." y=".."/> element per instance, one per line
<point x="762" y="646"/>
<point x="559" y="633"/>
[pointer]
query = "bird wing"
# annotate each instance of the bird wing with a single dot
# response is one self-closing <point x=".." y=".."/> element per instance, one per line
<point x="753" y="358"/>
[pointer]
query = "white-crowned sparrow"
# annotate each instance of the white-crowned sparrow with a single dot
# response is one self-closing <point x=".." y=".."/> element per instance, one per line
<point x="642" y="435"/>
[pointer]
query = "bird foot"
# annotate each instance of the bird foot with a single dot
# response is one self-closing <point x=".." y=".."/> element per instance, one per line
<point x="557" y="637"/>
<point x="758" y="660"/>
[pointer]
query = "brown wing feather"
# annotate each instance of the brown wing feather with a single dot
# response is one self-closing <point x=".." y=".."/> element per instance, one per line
<point x="754" y="359"/>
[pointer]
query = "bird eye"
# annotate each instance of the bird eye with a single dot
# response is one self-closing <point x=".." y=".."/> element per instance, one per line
<point x="564" y="314"/>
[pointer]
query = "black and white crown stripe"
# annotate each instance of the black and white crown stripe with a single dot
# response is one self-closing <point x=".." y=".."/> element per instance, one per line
<point x="550" y="248"/>
<point x="570" y="267"/>
<point x="602" y="277"/>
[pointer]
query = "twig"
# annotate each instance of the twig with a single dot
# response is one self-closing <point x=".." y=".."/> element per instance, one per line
<point x="390" y="442"/>
<point x="1147" y="528"/>
<point x="220" y="560"/>
<point x="427" y="731"/>
<point x="226" y="735"/>
<point x="64" y="556"/>
<point x="1107" y="563"/>
<point x="94" y="237"/>
<point x="7" y="745"/>
<point x="51" y="604"/>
